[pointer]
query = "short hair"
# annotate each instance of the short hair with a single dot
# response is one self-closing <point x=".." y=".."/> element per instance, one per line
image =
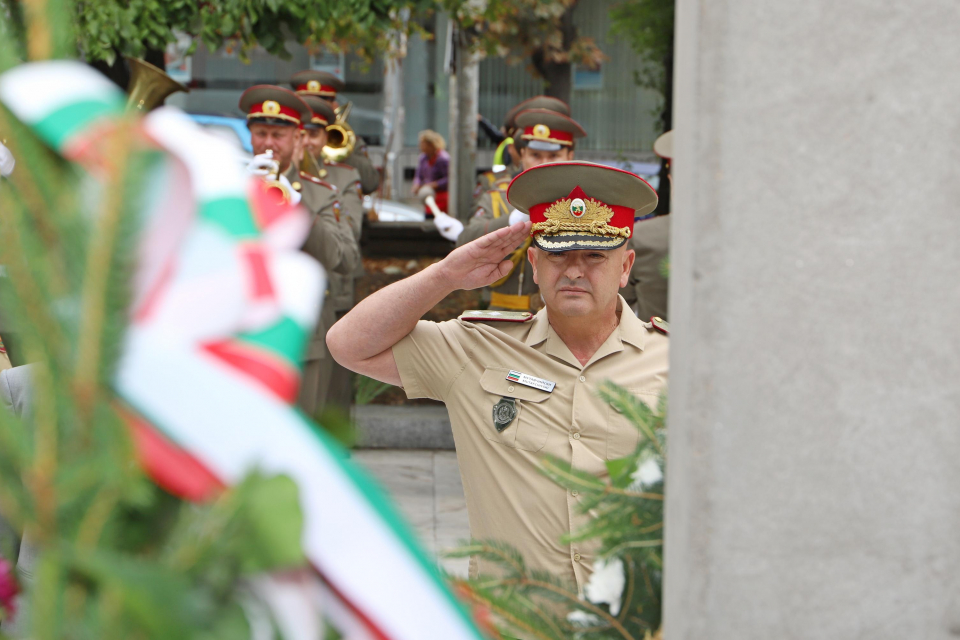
<point x="435" y="139"/>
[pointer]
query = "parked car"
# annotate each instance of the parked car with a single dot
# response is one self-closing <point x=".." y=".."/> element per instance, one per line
<point x="230" y="128"/>
<point x="393" y="211"/>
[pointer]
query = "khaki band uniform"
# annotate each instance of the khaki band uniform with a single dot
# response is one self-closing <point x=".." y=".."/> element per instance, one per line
<point x="542" y="128"/>
<point x="325" y="85"/>
<point x="503" y="428"/>
<point x="332" y="243"/>
<point x="651" y="242"/>
<point x="334" y="378"/>
<point x="648" y="286"/>
<point x="329" y="240"/>
<point x="518" y="291"/>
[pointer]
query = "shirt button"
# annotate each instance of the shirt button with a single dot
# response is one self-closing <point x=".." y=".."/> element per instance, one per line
<point x="583" y="378"/>
<point x="509" y="388"/>
<point x="576" y="436"/>
<point x="574" y="493"/>
<point x="576" y="557"/>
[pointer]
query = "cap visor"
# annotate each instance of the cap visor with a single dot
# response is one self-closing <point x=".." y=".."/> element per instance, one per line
<point x="557" y="243"/>
<point x="540" y="145"/>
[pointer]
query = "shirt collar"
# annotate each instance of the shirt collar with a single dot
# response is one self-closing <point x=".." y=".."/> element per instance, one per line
<point x="631" y="328"/>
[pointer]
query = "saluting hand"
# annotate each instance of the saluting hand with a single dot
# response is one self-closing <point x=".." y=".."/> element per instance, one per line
<point x="481" y="262"/>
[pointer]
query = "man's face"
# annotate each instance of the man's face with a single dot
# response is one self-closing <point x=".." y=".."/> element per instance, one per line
<point x="581" y="282"/>
<point x="281" y="139"/>
<point x="314" y="140"/>
<point x="530" y="158"/>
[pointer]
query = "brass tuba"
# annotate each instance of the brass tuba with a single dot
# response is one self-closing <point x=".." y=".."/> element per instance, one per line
<point x="340" y="137"/>
<point x="149" y="86"/>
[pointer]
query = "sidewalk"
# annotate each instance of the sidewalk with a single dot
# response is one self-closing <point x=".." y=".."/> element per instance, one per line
<point x="426" y="486"/>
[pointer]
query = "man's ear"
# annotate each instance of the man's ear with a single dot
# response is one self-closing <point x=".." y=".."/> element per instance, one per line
<point x="532" y="255"/>
<point x="629" y="256"/>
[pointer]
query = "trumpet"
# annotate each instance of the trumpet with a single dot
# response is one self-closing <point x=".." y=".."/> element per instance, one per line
<point x="268" y="169"/>
<point x="341" y="139"/>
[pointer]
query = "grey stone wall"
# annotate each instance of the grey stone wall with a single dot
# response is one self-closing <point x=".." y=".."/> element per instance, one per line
<point x="814" y="461"/>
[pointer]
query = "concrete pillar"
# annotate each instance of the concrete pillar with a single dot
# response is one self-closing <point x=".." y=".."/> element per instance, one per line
<point x="814" y="448"/>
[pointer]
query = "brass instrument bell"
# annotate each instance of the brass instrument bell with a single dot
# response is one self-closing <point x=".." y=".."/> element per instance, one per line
<point x="149" y="86"/>
<point x="341" y="139"/>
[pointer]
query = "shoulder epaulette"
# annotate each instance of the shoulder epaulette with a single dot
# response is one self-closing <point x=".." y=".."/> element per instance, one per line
<point x="658" y="323"/>
<point x="342" y="165"/>
<point x="316" y="180"/>
<point x="496" y="316"/>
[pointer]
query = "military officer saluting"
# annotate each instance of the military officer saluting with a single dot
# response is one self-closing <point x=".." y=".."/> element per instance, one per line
<point x="326" y="85"/>
<point x="546" y="136"/>
<point x="274" y="117"/>
<point x="520" y="386"/>
<point x="337" y="381"/>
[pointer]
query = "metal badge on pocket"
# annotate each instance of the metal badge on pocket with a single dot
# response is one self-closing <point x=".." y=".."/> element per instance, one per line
<point x="503" y="413"/>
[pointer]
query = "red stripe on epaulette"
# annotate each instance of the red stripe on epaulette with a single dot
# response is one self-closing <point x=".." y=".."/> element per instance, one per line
<point x="660" y="325"/>
<point x="315" y="180"/>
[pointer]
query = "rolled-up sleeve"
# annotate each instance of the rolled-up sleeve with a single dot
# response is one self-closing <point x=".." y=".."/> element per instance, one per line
<point x="431" y="357"/>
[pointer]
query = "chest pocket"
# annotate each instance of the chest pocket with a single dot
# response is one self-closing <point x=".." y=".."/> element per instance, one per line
<point x="622" y="435"/>
<point x="528" y="430"/>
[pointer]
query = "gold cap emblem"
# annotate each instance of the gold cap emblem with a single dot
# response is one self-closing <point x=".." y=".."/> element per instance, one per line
<point x="313" y="85"/>
<point x="271" y="107"/>
<point x="541" y="131"/>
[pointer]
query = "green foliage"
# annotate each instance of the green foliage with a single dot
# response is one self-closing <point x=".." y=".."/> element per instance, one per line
<point x="542" y="30"/>
<point x="102" y="29"/>
<point x="648" y="27"/>
<point x="366" y="389"/>
<point x="627" y="522"/>
<point x="117" y="556"/>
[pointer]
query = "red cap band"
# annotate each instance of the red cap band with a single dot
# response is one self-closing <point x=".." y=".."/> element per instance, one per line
<point x="273" y="109"/>
<point x="318" y="119"/>
<point x="313" y="88"/>
<point x="545" y="133"/>
<point x="622" y="217"/>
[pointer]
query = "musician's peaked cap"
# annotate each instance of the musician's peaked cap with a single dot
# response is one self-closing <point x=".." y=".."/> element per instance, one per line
<point x="581" y="205"/>
<point x="317" y="83"/>
<point x="536" y="102"/>
<point x="323" y="113"/>
<point x="274" y="105"/>
<point x="547" y="130"/>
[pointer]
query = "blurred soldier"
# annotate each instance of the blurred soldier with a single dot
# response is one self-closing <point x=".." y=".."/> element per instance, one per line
<point x="337" y="380"/>
<point x="506" y="160"/>
<point x="546" y="136"/>
<point x="326" y="85"/>
<point x="274" y="116"/>
<point x="649" y="280"/>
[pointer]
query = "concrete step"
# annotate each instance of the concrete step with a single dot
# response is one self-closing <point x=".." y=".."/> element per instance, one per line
<point x="403" y="427"/>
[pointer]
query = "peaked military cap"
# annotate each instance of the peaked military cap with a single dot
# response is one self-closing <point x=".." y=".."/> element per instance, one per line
<point x="536" y="102"/>
<point x="597" y="213"/>
<point x="547" y="130"/>
<point x="663" y="146"/>
<point x="274" y="105"/>
<point x="323" y="113"/>
<point x="317" y="83"/>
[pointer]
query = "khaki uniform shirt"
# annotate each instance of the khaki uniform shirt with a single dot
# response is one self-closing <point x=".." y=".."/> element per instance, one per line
<point x="347" y="181"/>
<point x="651" y="242"/>
<point x="493" y="212"/>
<point x="330" y="242"/>
<point x="465" y="364"/>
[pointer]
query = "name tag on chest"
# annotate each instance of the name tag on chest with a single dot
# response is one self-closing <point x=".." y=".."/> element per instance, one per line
<point x="530" y="381"/>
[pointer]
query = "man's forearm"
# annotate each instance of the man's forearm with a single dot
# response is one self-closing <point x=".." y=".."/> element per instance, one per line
<point x="382" y="319"/>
